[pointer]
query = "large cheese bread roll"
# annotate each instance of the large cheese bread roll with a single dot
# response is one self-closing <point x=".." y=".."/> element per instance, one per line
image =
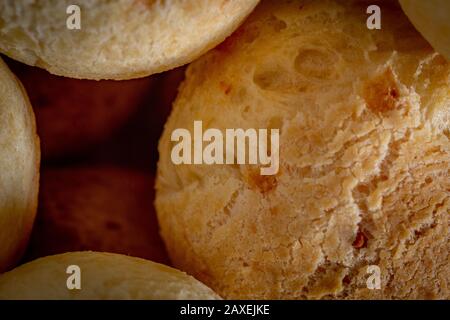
<point x="98" y="208"/>
<point x="19" y="168"/>
<point x="432" y="19"/>
<point x="117" y="39"/>
<point x="363" y="182"/>
<point x="72" y="115"/>
<point x="104" y="276"/>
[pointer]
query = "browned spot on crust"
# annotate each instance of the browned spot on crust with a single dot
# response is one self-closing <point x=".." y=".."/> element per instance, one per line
<point x="264" y="183"/>
<point x="382" y="93"/>
<point x="146" y="3"/>
<point x="226" y="88"/>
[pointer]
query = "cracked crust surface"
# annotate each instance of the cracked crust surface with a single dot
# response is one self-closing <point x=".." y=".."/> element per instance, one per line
<point x="364" y="159"/>
<point x="104" y="276"/>
<point x="118" y="39"/>
<point x="19" y="168"/>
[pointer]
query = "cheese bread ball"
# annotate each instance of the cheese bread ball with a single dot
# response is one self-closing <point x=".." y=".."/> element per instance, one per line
<point x="363" y="184"/>
<point x="115" y="39"/>
<point x="72" y="115"/>
<point x="432" y="19"/>
<point x="104" y="208"/>
<point x="19" y="168"/>
<point x="104" y="276"/>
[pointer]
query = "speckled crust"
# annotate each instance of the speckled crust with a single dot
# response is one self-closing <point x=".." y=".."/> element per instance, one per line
<point x="19" y="168"/>
<point x="106" y="208"/>
<point x="72" y="115"/>
<point x="432" y="19"/>
<point x="118" y="39"/>
<point x="104" y="276"/>
<point x="364" y="159"/>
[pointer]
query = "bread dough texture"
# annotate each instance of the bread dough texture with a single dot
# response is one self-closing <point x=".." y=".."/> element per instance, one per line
<point x="19" y="168"/>
<point x="104" y="276"/>
<point x="118" y="39"/>
<point x="364" y="159"/>
<point x="98" y="208"/>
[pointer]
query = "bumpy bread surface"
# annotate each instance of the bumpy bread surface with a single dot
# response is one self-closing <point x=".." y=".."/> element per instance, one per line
<point x="99" y="208"/>
<point x="19" y="168"/>
<point x="74" y="115"/>
<point x="104" y="276"/>
<point x="118" y="39"/>
<point x="364" y="159"/>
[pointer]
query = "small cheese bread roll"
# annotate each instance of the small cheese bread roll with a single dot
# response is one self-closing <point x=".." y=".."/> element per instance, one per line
<point x="74" y="115"/>
<point x="19" y="168"/>
<point x="117" y="39"/>
<point x="104" y="276"/>
<point x="363" y="181"/>
<point x="432" y="19"/>
<point x="103" y="208"/>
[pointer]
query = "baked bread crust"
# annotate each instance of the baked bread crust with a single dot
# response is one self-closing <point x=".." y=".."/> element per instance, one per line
<point x="104" y="276"/>
<point x="118" y="39"/>
<point x="364" y="159"/>
<point x="19" y="168"/>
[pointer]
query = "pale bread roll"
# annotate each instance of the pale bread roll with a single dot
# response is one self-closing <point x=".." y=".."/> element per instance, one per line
<point x="432" y="19"/>
<point x="118" y="39"/>
<point x="96" y="208"/>
<point x="364" y="159"/>
<point x="19" y="168"/>
<point x="104" y="276"/>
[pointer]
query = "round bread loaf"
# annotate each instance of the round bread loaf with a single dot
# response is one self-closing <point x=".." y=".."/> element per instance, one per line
<point x="432" y="19"/>
<point x="106" y="209"/>
<point x="363" y="181"/>
<point x="116" y="39"/>
<point x="19" y="168"/>
<point x="74" y="115"/>
<point x="104" y="276"/>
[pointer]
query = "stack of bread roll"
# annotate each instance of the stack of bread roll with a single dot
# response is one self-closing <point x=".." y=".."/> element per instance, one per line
<point x="87" y="178"/>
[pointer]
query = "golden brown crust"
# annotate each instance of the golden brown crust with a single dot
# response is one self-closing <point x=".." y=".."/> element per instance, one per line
<point x="364" y="159"/>
<point x="105" y="209"/>
<point x="19" y="168"/>
<point x="118" y="39"/>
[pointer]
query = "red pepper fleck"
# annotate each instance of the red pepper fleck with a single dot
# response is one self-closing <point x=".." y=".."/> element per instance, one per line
<point x="360" y="240"/>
